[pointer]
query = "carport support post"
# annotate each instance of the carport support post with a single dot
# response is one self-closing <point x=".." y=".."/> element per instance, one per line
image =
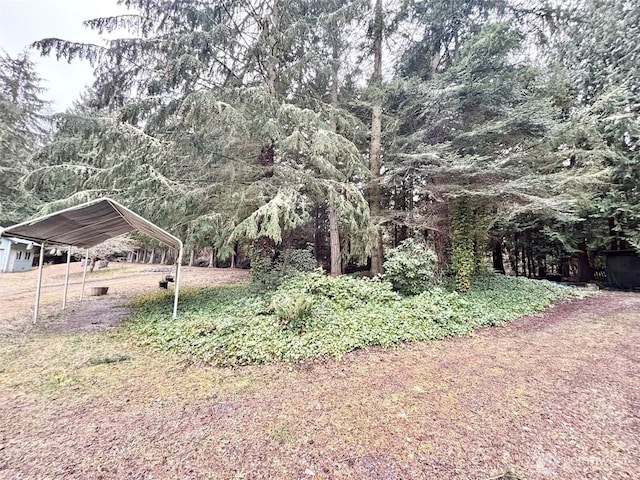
<point x="66" y="279"/>
<point x="84" y="274"/>
<point x="177" y="287"/>
<point x="39" y="284"/>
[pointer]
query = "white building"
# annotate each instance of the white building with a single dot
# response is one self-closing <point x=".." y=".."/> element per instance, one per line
<point x="16" y="255"/>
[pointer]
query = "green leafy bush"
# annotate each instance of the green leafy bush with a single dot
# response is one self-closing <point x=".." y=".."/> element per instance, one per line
<point x="268" y="274"/>
<point x="343" y="290"/>
<point x="292" y="309"/>
<point x="410" y="267"/>
<point x="314" y="315"/>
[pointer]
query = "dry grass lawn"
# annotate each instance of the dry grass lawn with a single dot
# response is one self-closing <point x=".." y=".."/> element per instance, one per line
<point x="552" y="396"/>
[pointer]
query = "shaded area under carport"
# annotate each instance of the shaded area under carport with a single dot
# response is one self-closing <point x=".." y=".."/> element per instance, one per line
<point x="85" y="226"/>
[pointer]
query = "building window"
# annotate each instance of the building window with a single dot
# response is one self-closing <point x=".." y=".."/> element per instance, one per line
<point x="18" y="255"/>
<point x="27" y="255"/>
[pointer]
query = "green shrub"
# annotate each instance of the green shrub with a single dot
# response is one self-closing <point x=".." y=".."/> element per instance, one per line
<point x="292" y="309"/>
<point x="343" y="290"/>
<point x="267" y="273"/>
<point x="410" y="267"/>
<point x="314" y="315"/>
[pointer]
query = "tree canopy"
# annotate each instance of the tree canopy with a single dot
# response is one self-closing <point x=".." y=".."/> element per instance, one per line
<point x="23" y="128"/>
<point x="480" y="125"/>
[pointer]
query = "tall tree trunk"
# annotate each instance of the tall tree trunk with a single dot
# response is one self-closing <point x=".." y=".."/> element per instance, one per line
<point x="515" y="255"/>
<point x="212" y="258"/>
<point x="316" y="235"/>
<point x="163" y="258"/>
<point x="496" y="255"/>
<point x="334" y="224"/>
<point x="585" y="271"/>
<point x="542" y="266"/>
<point x="526" y="260"/>
<point x="192" y="257"/>
<point x="152" y="257"/>
<point x="440" y="244"/>
<point x="375" y="157"/>
<point x="334" y="240"/>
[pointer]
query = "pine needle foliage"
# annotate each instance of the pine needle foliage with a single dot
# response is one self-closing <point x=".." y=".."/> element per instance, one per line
<point x="23" y="127"/>
<point x="182" y="110"/>
<point x="231" y="123"/>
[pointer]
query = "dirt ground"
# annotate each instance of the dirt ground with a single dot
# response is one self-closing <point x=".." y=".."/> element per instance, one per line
<point x="550" y="396"/>
<point x="124" y="280"/>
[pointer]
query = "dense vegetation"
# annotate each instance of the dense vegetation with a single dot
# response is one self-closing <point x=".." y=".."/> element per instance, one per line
<point x="254" y="128"/>
<point x="314" y="315"/>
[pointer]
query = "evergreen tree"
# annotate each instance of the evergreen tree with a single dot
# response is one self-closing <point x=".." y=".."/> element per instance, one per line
<point x="375" y="152"/>
<point x="480" y="142"/>
<point x="441" y="28"/>
<point x="23" y="127"/>
<point x="225" y="105"/>
<point x="269" y="123"/>
<point x="603" y="63"/>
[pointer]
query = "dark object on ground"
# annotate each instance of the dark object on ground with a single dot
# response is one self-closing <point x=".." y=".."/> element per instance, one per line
<point x="623" y="269"/>
<point x="98" y="291"/>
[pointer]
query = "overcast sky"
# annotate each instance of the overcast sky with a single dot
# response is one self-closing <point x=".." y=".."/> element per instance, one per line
<point x="22" y="22"/>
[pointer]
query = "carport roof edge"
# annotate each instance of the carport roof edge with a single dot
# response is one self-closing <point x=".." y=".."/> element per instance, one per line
<point x="87" y="225"/>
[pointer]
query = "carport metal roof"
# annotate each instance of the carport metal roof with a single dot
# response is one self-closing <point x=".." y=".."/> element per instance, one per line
<point x="86" y="226"/>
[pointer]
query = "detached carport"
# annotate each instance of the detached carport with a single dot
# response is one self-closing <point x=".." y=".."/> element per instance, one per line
<point x="85" y="226"/>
